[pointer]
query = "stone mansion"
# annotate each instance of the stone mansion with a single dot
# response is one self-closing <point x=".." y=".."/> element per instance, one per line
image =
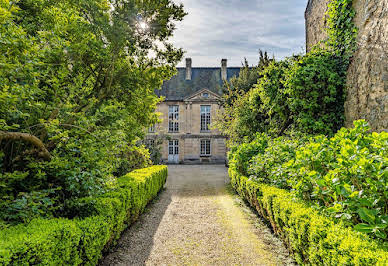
<point x="192" y="100"/>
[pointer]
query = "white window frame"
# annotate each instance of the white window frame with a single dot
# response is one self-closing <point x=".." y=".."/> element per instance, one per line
<point x="207" y="151"/>
<point x="173" y="118"/>
<point x="151" y="129"/>
<point x="205" y="118"/>
<point x="173" y="147"/>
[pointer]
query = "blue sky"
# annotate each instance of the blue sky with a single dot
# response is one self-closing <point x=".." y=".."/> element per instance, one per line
<point x="234" y="29"/>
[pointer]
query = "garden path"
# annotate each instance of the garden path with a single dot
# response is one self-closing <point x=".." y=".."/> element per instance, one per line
<point x="197" y="220"/>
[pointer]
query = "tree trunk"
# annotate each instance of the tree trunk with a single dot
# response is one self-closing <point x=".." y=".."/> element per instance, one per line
<point x="25" y="137"/>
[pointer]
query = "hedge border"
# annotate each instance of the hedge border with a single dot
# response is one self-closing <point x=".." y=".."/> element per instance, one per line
<point x="98" y="226"/>
<point x="311" y="237"/>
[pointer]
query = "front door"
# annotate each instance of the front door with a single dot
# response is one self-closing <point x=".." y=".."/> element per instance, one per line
<point x="173" y="151"/>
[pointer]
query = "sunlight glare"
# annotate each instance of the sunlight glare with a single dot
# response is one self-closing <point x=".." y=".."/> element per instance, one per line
<point x="143" y="25"/>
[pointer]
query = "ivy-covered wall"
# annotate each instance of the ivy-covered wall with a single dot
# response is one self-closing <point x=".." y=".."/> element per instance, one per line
<point x="367" y="78"/>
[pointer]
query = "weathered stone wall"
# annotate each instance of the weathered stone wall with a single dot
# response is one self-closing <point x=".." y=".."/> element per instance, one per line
<point x="315" y="22"/>
<point x="367" y="95"/>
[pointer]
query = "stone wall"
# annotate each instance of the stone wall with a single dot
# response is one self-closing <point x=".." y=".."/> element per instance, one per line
<point x="367" y="95"/>
<point x="315" y="22"/>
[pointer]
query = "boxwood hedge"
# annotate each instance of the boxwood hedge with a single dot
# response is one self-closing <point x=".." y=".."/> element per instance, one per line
<point x="96" y="227"/>
<point x="313" y="238"/>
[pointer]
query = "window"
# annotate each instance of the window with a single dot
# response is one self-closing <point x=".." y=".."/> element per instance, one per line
<point x="173" y="147"/>
<point x="205" y="117"/>
<point x="150" y="143"/>
<point x="205" y="147"/>
<point x="205" y="95"/>
<point x="151" y="129"/>
<point x="173" y="118"/>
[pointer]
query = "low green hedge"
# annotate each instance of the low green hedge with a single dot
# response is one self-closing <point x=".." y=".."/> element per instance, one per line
<point x="97" y="226"/>
<point x="313" y="238"/>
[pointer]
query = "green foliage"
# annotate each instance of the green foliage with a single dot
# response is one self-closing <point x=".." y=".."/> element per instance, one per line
<point x="345" y="176"/>
<point x="301" y="94"/>
<point x="241" y="115"/>
<point x="136" y="158"/>
<point x="80" y="76"/>
<point x="315" y="93"/>
<point x="312" y="238"/>
<point x="96" y="225"/>
<point x="266" y="166"/>
<point x="341" y="29"/>
<point x="270" y="92"/>
<point x="241" y="155"/>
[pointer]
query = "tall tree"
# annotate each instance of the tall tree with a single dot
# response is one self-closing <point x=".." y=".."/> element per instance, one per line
<point x="237" y="119"/>
<point x="77" y="81"/>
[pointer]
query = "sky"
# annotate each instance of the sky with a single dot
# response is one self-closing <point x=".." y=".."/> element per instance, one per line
<point x="237" y="29"/>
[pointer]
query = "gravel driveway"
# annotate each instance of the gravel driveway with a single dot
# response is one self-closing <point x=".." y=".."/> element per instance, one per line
<point x="197" y="220"/>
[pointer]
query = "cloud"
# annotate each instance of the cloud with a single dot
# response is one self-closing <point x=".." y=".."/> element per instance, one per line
<point x="234" y="29"/>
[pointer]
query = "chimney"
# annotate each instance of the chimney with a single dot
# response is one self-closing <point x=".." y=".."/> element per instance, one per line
<point x="188" y="68"/>
<point x="224" y="68"/>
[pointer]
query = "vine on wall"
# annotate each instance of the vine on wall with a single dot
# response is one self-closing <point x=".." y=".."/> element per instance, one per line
<point x="341" y="30"/>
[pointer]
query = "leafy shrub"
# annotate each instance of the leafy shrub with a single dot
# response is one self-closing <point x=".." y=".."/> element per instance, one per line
<point x="271" y="91"/>
<point x="133" y="158"/>
<point x="241" y="155"/>
<point x="313" y="238"/>
<point x="345" y="176"/>
<point x="95" y="226"/>
<point x="267" y="165"/>
<point x="28" y="206"/>
<point x="315" y="92"/>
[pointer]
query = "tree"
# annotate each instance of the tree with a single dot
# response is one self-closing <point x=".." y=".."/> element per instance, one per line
<point x="77" y="81"/>
<point x="239" y="118"/>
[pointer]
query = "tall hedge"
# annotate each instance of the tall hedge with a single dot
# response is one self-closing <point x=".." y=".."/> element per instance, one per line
<point x="97" y="226"/>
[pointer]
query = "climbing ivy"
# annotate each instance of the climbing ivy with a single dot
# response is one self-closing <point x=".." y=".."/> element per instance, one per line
<point x="341" y="30"/>
<point x="304" y="94"/>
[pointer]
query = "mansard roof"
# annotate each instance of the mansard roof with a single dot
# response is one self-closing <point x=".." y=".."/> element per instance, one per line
<point x="178" y="88"/>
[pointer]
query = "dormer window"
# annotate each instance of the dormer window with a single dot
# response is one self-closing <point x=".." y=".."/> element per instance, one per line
<point x="205" y="95"/>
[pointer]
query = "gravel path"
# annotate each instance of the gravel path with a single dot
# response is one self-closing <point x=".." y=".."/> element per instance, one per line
<point x="197" y="220"/>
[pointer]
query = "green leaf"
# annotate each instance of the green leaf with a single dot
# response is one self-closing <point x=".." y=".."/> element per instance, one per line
<point x="381" y="234"/>
<point x="364" y="228"/>
<point x="367" y="215"/>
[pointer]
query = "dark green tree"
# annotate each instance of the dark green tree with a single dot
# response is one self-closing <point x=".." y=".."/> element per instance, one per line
<point x="77" y="81"/>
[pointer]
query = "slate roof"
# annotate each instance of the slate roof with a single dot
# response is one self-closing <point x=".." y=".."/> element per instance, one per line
<point x="178" y="88"/>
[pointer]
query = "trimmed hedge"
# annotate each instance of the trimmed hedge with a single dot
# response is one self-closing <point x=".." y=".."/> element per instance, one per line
<point x="98" y="225"/>
<point x="313" y="238"/>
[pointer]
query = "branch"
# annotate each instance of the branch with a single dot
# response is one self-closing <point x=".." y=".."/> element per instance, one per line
<point x="15" y="136"/>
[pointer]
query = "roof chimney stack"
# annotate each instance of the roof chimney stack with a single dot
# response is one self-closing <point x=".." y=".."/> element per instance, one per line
<point x="188" y="68"/>
<point x="224" y="69"/>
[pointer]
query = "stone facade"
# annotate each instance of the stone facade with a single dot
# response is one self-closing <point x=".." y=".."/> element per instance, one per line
<point x="186" y="138"/>
<point x="367" y="80"/>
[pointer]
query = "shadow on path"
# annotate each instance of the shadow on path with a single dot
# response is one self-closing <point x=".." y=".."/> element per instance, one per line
<point x="137" y="241"/>
<point x="196" y="221"/>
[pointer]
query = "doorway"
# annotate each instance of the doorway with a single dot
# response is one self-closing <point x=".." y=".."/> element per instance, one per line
<point x="173" y="151"/>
